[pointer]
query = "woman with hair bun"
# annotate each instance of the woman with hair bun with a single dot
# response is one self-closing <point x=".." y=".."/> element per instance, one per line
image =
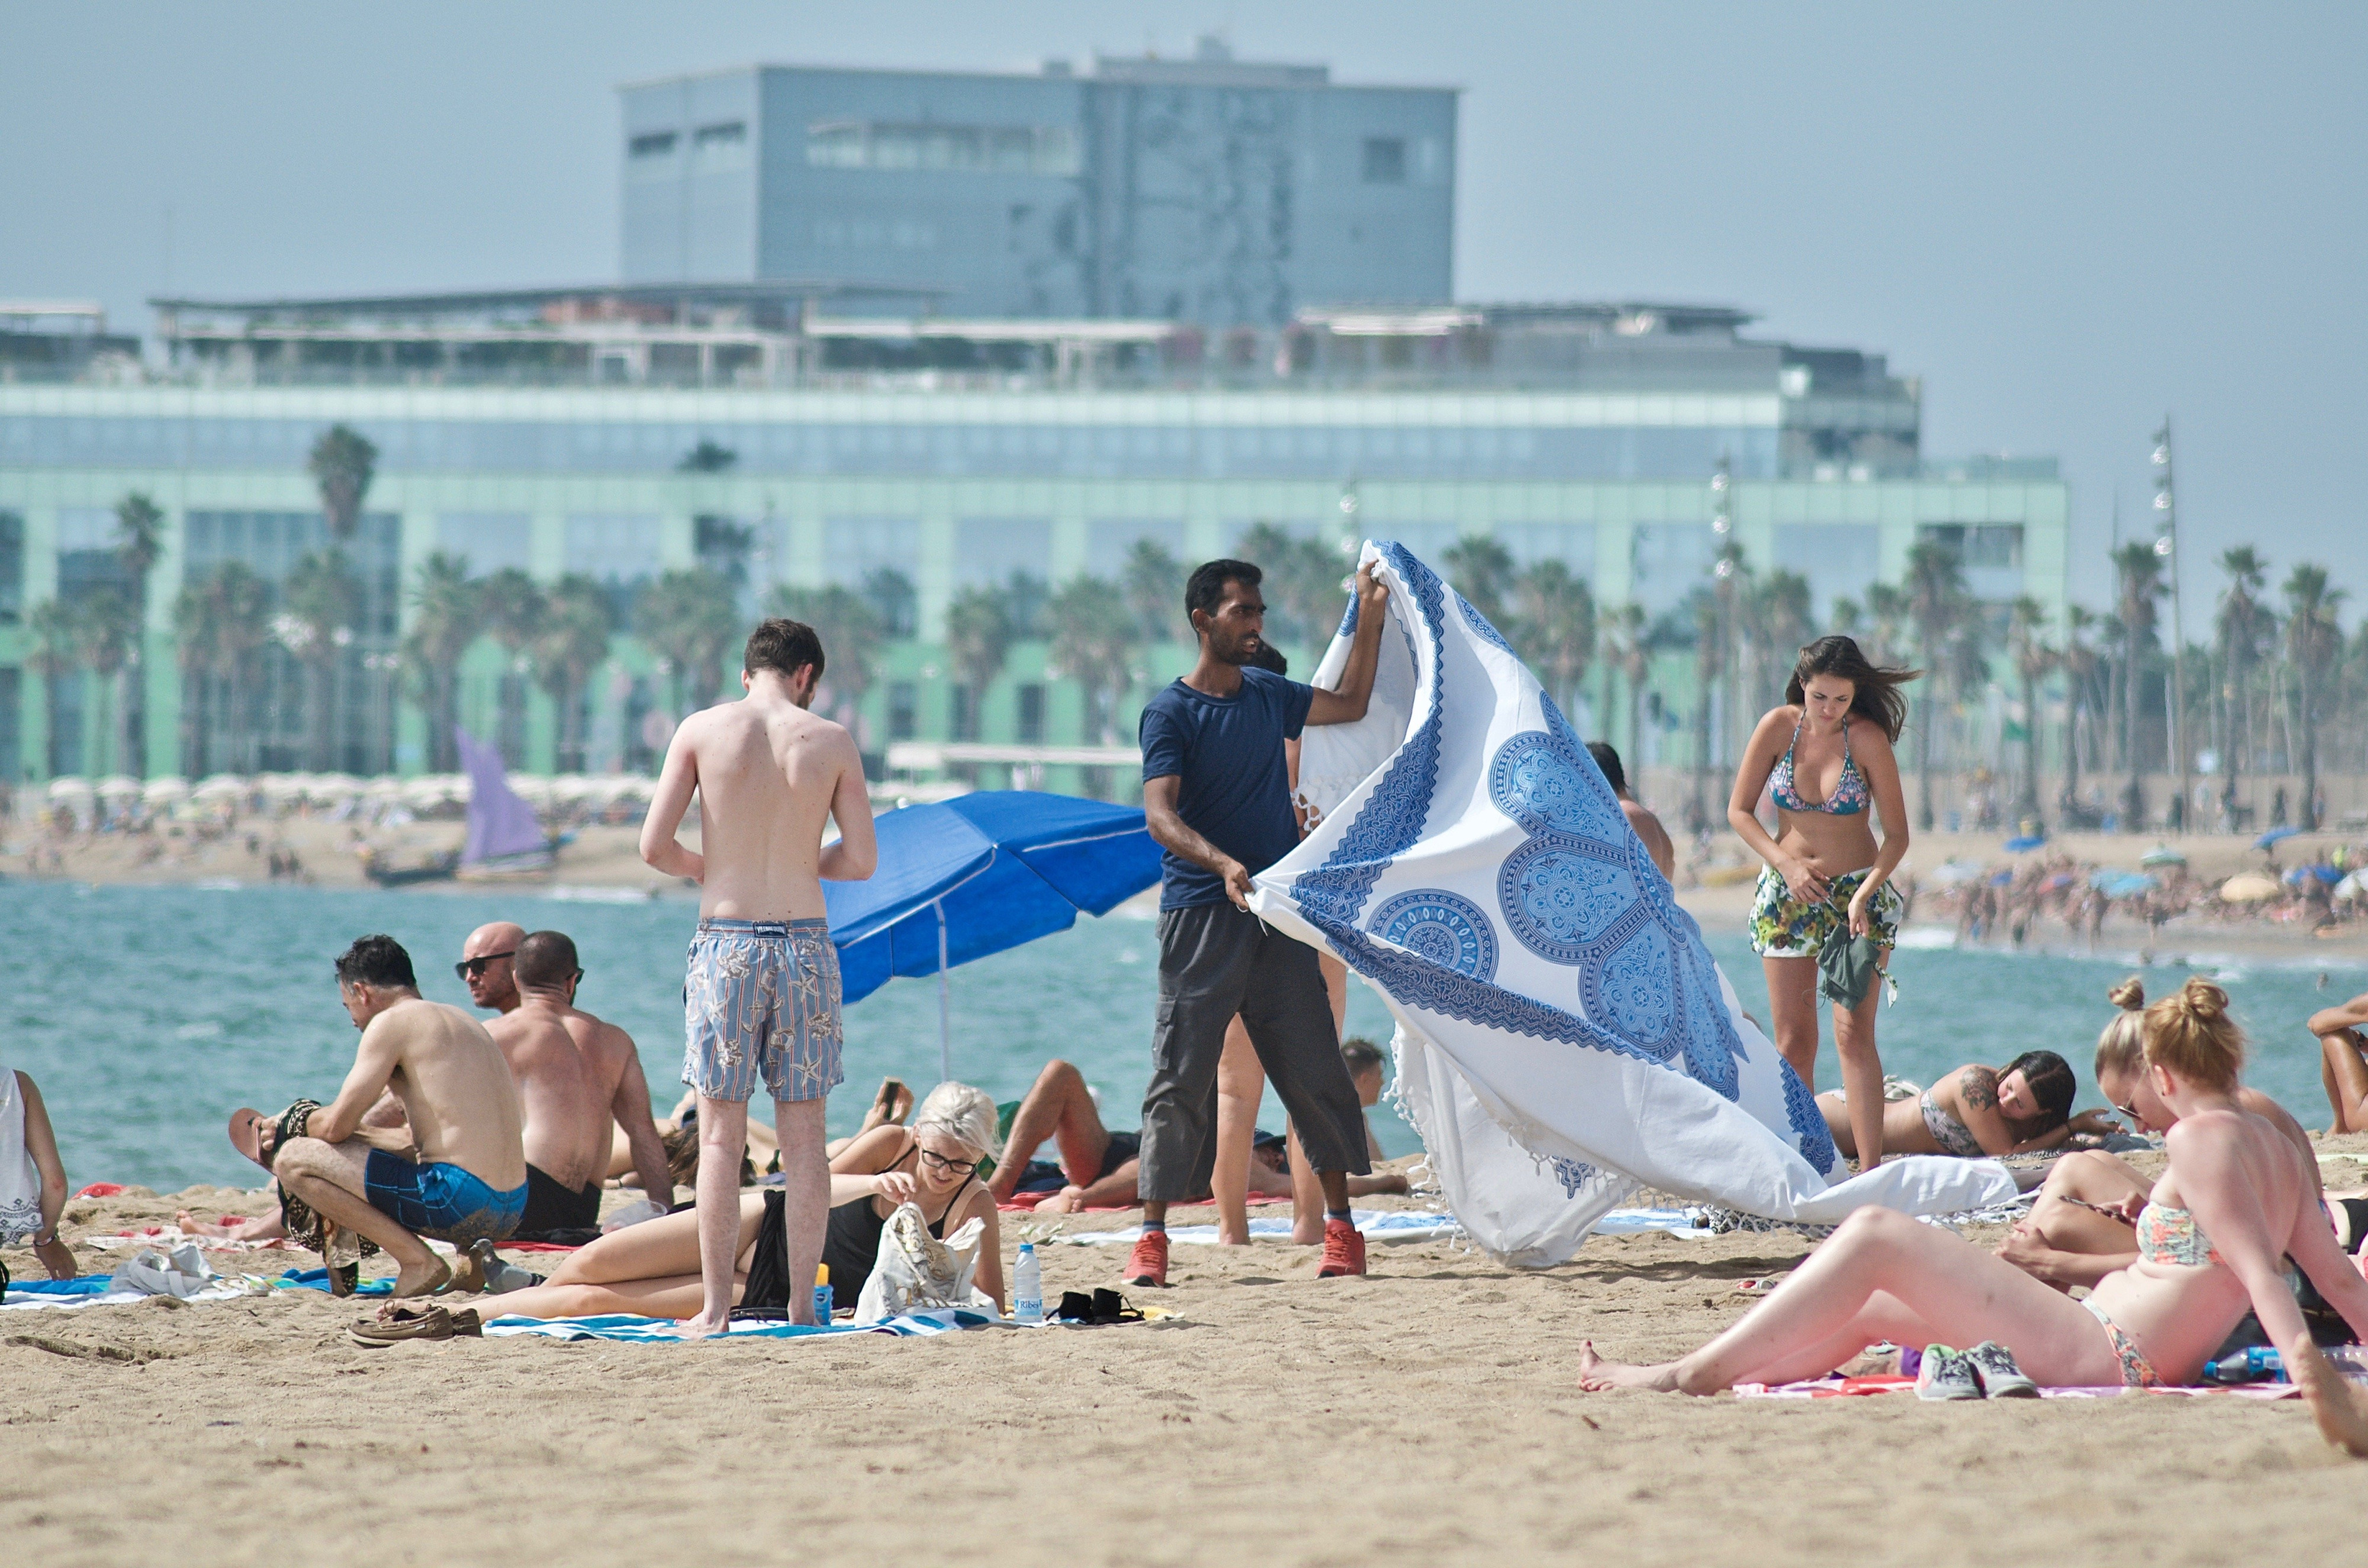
<point x="2213" y="1239"/>
<point x="1825" y="870"/>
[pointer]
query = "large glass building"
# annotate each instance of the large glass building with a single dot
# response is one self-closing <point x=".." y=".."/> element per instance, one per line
<point x="1592" y="435"/>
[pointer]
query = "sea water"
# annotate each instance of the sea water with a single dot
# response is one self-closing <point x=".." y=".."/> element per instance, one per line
<point x="147" y="1014"/>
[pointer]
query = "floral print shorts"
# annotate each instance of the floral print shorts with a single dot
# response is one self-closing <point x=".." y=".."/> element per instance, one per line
<point x="1784" y="927"/>
<point x="762" y="998"/>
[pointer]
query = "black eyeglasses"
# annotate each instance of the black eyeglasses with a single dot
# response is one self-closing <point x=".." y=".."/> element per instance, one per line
<point x="474" y="969"/>
<point x="938" y="1162"/>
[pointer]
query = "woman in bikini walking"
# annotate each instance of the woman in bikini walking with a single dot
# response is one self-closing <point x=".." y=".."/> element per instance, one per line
<point x="1826" y="758"/>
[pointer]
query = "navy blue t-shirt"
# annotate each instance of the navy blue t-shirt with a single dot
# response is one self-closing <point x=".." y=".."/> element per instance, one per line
<point x="1236" y="791"/>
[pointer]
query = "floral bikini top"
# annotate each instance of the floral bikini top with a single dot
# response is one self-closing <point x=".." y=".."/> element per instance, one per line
<point x="2171" y="1235"/>
<point x="1850" y="796"/>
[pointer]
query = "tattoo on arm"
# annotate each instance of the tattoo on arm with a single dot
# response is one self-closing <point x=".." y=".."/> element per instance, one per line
<point x="1978" y="1085"/>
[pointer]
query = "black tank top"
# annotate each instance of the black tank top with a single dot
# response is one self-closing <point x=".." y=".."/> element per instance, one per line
<point x="852" y="1245"/>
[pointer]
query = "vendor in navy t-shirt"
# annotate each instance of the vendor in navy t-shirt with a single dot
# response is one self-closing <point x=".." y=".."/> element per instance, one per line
<point x="1218" y="800"/>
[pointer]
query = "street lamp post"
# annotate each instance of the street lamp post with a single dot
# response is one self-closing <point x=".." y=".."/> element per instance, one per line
<point x="2166" y="546"/>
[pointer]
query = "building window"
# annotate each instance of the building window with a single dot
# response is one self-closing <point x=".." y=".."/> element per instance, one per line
<point x="12" y="590"/>
<point x="652" y="145"/>
<point x="971" y="149"/>
<point x="904" y="710"/>
<point x="965" y="712"/>
<point x="1032" y="714"/>
<point x="1385" y="160"/>
<point x="723" y="146"/>
<point x="730" y="133"/>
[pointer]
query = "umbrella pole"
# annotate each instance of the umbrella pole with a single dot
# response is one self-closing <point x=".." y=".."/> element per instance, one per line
<point x="945" y="1004"/>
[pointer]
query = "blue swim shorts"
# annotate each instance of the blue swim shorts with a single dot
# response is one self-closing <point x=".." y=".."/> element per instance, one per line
<point x="440" y="1201"/>
<point x="762" y="996"/>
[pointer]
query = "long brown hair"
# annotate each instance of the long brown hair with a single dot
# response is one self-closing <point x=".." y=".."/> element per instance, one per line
<point x="1874" y="689"/>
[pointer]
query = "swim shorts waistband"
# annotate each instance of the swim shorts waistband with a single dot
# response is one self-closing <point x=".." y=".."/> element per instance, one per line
<point x="764" y="928"/>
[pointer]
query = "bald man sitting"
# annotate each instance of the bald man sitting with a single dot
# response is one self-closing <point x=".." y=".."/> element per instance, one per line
<point x="484" y="966"/>
<point x="576" y="1074"/>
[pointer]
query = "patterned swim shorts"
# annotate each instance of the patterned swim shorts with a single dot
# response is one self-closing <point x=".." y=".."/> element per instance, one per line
<point x="762" y="996"/>
<point x="1784" y="927"/>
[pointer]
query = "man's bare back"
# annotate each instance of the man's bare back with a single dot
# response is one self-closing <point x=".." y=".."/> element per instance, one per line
<point x="767" y="775"/>
<point x="454" y="1085"/>
<point x="565" y="1104"/>
<point x="1657" y="838"/>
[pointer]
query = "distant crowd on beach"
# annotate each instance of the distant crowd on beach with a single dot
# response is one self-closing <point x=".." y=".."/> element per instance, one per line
<point x="473" y="1132"/>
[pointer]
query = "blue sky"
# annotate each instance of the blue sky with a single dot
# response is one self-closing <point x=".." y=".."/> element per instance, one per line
<point x="2068" y="218"/>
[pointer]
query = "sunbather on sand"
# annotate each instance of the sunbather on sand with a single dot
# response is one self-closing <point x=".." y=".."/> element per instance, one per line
<point x="32" y="1177"/>
<point x="2236" y="1199"/>
<point x="893" y="1103"/>
<point x="2343" y="1063"/>
<point x="1099" y="1166"/>
<point x="652" y="1270"/>
<point x="2081" y="1227"/>
<point x="1977" y="1111"/>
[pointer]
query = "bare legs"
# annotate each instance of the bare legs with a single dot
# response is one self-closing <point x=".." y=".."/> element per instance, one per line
<point x="805" y="1201"/>
<point x="1883" y="1276"/>
<point x="1792" y="1002"/>
<point x="1060" y="1108"/>
<point x="2344" y="1073"/>
<point x="1241" y="1085"/>
<point x="328" y="1176"/>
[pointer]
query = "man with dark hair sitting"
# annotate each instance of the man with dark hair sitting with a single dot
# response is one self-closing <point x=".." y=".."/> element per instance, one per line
<point x="458" y="1171"/>
<point x="1647" y="825"/>
<point x="577" y="1075"/>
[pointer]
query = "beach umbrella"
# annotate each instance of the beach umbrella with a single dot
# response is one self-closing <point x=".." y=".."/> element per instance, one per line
<point x="2162" y="855"/>
<point x="2028" y="842"/>
<point x="966" y="878"/>
<point x="2116" y="883"/>
<point x="2270" y="839"/>
<point x="69" y="788"/>
<point x="2250" y="887"/>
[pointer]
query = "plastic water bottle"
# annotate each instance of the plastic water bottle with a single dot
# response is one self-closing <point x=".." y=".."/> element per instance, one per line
<point x="2259" y="1363"/>
<point x="1027" y="1287"/>
<point x="822" y="1295"/>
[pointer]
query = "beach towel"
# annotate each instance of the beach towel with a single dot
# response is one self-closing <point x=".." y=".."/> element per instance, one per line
<point x="1403" y="1225"/>
<point x="662" y="1331"/>
<point x="1562" y="1035"/>
<point x="21" y="1179"/>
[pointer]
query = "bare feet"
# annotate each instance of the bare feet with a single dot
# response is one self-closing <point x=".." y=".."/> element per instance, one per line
<point x="1068" y="1200"/>
<point x="702" y="1328"/>
<point x="2340" y="1406"/>
<point x="1228" y="1239"/>
<point x="891" y="1104"/>
<point x="1597" y="1375"/>
<point x="422" y="1278"/>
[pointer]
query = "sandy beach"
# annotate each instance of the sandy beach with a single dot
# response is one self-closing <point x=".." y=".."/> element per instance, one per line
<point x="1425" y="1413"/>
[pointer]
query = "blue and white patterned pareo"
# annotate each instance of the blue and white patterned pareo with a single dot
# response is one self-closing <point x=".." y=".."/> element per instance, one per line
<point x="1563" y="1033"/>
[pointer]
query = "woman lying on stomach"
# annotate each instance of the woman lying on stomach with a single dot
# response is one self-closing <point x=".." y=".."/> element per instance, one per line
<point x="2234" y="1201"/>
<point x="652" y="1270"/>
<point x="1977" y="1111"/>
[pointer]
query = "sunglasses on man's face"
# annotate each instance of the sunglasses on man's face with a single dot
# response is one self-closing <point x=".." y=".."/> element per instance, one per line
<point x="474" y="969"/>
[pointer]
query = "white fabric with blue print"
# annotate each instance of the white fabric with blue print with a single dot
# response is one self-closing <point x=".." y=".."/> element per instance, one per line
<point x="1563" y="1033"/>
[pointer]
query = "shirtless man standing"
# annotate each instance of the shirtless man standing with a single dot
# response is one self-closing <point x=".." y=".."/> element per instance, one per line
<point x="576" y="1077"/>
<point x="457" y="1171"/>
<point x="1640" y="817"/>
<point x="762" y="988"/>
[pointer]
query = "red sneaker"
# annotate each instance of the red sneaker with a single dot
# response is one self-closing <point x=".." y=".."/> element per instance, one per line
<point x="1344" y="1250"/>
<point x="1147" y="1264"/>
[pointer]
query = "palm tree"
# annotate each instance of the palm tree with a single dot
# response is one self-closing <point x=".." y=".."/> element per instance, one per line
<point x="851" y="629"/>
<point x="342" y="463"/>
<point x="1848" y="617"/>
<point x="1709" y="660"/>
<point x="2239" y="625"/>
<point x="56" y="653"/>
<point x="1937" y="603"/>
<point x="1153" y="581"/>
<point x="221" y="622"/>
<point x="1094" y="639"/>
<point x="892" y="595"/>
<point x="446" y="621"/>
<point x="2138" y="577"/>
<point x="2314" y="642"/>
<point x="570" y="643"/>
<point x="2032" y="661"/>
<point x="104" y="624"/>
<point x="978" y="639"/>
<point x="322" y="601"/>
<point x="687" y="618"/>
<point x="1482" y="571"/>
<point x="1782" y="615"/>
<point x="2080" y="662"/>
<point x="1626" y="644"/>
<point x="1304" y="583"/>
<point x="1552" y="625"/>
<point x="1888" y="610"/>
<point x="139" y="541"/>
<point x="511" y="605"/>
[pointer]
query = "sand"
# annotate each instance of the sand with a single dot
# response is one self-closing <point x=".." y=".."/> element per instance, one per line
<point x="1424" y="1413"/>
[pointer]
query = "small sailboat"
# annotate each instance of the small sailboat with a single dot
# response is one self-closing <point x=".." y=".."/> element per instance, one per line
<point x="506" y="838"/>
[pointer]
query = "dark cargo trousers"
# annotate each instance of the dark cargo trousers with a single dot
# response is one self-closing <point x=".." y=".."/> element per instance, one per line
<point x="1216" y="960"/>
